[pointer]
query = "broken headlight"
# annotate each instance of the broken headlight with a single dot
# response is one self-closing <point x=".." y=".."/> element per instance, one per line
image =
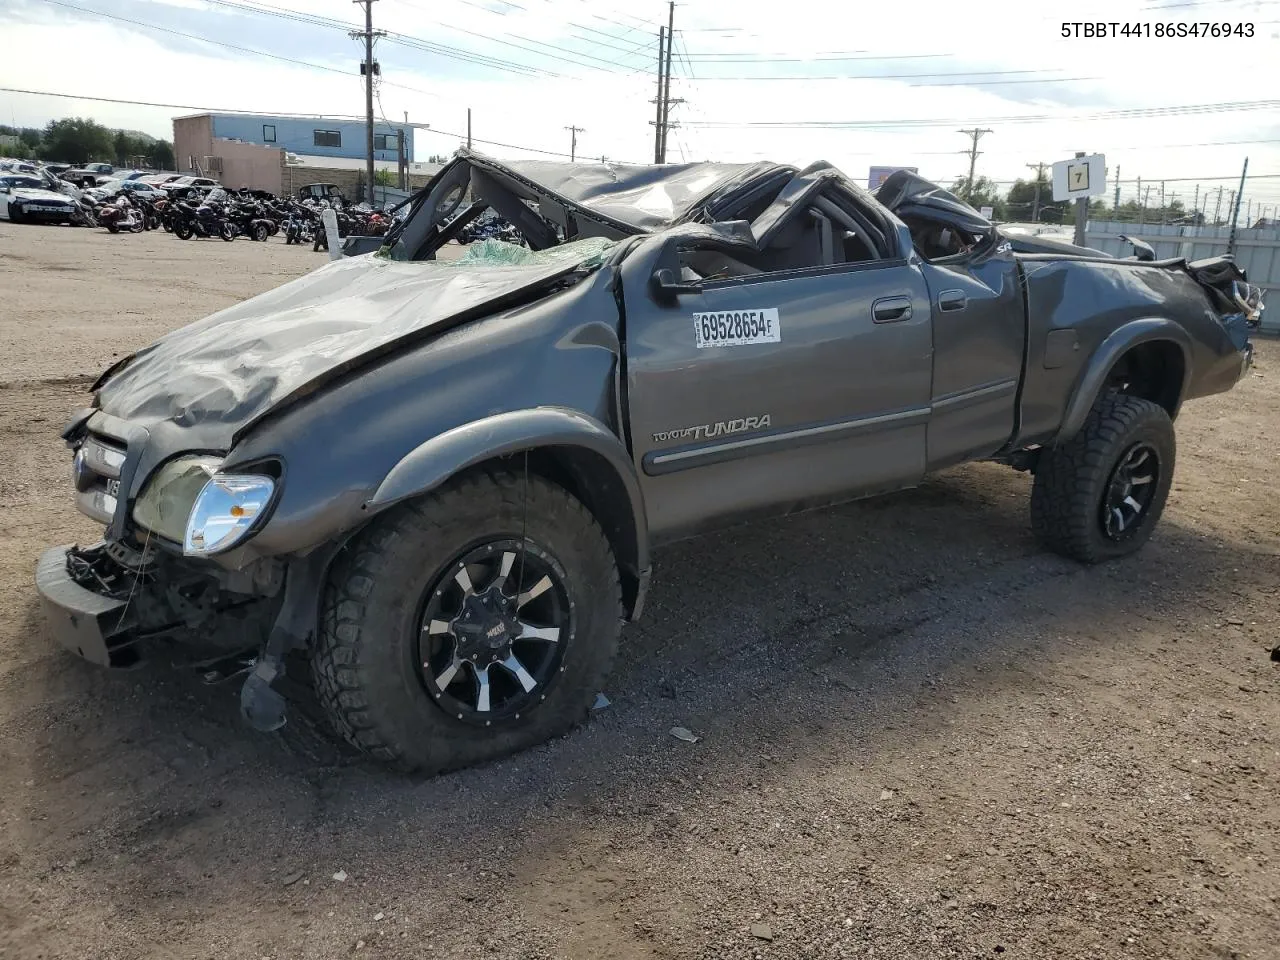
<point x="228" y="507"/>
<point x="167" y="498"/>
<point x="189" y="502"/>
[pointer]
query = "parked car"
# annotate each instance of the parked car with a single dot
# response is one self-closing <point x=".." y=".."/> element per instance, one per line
<point x="160" y="179"/>
<point x="89" y="175"/>
<point x="189" y="181"/>
<point x="322" y="191"/>
<point x="442" y="482"/>
<point x="132" y="187"/>
<point x="24" y="198"/>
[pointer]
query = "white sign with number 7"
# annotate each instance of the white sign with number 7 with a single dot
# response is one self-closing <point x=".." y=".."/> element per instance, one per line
<point x="1080" y="177"/>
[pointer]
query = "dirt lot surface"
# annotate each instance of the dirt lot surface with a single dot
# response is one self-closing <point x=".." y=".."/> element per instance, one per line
<point x="921" y="736"/>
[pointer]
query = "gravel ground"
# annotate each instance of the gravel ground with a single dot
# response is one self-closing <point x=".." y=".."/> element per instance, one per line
<point x="921" y="736"/>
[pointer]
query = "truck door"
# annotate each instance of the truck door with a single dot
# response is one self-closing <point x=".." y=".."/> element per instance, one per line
<point x="800" y="378"/>
<point x="979" y="333"/>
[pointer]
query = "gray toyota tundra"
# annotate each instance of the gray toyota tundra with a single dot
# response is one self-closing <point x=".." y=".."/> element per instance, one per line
<point x="439" y="480"/>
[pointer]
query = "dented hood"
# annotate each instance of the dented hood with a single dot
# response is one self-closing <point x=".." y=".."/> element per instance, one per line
<point x="226" y="371"/>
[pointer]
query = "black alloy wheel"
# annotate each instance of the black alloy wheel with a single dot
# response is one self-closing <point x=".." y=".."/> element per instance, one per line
<point x="494" y="630"/>
<point x="1131" y="491"/>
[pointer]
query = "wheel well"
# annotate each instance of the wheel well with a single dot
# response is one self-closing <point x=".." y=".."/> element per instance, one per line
<point x="1153" y="371"/>
<point x="590" y="478"/>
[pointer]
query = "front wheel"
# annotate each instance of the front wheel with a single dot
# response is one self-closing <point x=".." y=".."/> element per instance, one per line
<point x="112" y="228"/>
<point x="227" y="231"/>
<point x="183" y="231"/>
<point x="447" y="640"/>
<point x="1099" y="495"/>
<point x="261" y="232"/>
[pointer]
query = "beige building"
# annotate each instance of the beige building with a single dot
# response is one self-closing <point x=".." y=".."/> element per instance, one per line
<point x="231" y="162"/>
<point x="237" y="163"/>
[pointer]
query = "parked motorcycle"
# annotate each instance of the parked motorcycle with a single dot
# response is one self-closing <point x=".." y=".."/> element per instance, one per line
<point x="300" y="223"/>
<point x="205" y="220"/>
<point x="85" y="213"/>
<point x="122" y="214"/>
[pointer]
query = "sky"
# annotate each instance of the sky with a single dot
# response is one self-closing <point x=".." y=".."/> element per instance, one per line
<point x="851" y="83"/>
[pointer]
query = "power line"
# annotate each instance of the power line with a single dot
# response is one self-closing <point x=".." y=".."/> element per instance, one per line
<point x="888" y="76"/>
<point x="626" y="51"/>
<point x="444" y="50"/>
<point x="1128" y="114"/>
<point x="518" y="46"/>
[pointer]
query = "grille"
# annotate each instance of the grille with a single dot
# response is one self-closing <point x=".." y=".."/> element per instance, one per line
<point x="97" y="468"/>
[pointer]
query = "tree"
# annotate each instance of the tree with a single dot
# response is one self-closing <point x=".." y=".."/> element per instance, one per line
<point x="160" y="155"/>
<point x="1021" y="202"/>
<point x="983" y="194"/>
<point x="76" y="140"/>
<point x="385" y="178"/>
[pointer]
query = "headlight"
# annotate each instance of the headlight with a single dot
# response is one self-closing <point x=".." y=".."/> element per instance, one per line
<point x="167" y="499"/>
<point x="226" y="509"/>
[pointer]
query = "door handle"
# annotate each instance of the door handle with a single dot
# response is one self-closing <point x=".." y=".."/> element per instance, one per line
<point x="949" y="300"/>
<point x="891" y="310"/>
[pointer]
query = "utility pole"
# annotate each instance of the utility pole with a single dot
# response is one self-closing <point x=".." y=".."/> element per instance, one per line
<point x="1195" y="208"/>
<point x="1231" y="239"/>
<point x="573" y="142"/>
<point x="662" y="71"/>
<point x="1035" y="204"/>
<point x="368" y="68"/>
<point x="976" y="133"/>
<point x="1115" y="206"/>
<point x="468" y="128"/>
<point x="1142" y="214"/>
<point x="1162" y="204"/>
<point x="1216" y="206"/>
<point x="666" y="97"/>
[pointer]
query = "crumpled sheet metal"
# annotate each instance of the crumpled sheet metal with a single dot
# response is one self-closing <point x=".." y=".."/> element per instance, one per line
<point x="233" y="366"/>
<point x="647" y="197"/>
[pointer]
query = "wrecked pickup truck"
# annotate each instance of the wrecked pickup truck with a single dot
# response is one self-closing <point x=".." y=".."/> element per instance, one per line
<point x="441" y="480"/>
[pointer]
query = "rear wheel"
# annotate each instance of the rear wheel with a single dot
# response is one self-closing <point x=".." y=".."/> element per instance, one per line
<point x="1099" y="495"/>
<point x="447" y="639"/>
<point x="183" y="231"/>
<point x="261" y="232"/>
<point x="112" y="228"/>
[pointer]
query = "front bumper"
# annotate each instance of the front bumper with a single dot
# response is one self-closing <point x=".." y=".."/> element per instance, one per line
<point x="44" y="214"/>
<point x="80" y="620"/>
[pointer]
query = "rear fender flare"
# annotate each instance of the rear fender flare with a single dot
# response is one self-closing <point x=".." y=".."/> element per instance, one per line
<point x="1124" y="338"/>
<point x="433" y="462"/>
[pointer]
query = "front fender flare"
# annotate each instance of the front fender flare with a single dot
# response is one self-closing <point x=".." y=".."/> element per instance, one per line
<point x="433" y="462"/>
<point x="1124" y="338"/>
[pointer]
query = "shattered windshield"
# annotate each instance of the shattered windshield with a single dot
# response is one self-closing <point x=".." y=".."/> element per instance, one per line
<point x="588" y="252"/>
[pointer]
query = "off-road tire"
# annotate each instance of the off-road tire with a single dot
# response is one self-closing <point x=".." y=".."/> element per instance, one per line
<point x="1072" y="479"/>
<point x="365" y="662"/>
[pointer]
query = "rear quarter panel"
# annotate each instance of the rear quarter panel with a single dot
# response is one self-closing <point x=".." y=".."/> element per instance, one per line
<point x="1074" y="305"/>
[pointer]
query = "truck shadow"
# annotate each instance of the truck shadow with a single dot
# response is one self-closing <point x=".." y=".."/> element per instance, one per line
<point x="793" y="638"/>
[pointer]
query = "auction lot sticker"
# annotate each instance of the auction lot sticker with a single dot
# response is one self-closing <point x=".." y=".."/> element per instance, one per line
<point x="736" y="328"/>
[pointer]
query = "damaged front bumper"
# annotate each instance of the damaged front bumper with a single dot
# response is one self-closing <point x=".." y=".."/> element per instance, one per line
<point x="90" y="624"/>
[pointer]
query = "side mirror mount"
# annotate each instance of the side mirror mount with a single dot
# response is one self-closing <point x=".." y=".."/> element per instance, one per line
<point x="1142" y="250"/>
<point x="668" y="282"/>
